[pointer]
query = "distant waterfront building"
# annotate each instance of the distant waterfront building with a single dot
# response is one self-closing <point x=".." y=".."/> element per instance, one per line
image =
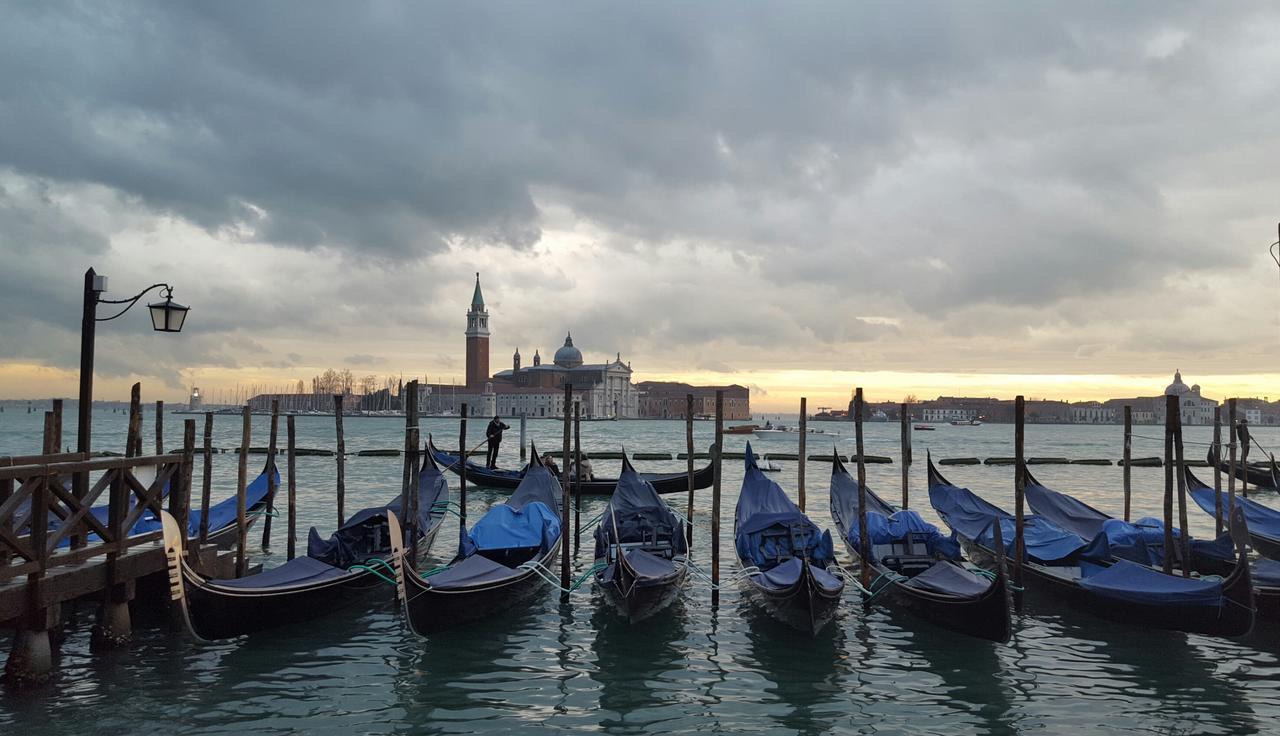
<point x="669" y="400"/>
<point x="954" y="409"/>
<point x="1193" y="408"/>
<point x="1092" y="412"/>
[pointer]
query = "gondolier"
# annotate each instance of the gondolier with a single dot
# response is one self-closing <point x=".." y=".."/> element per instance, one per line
<point x="494" y="433"/>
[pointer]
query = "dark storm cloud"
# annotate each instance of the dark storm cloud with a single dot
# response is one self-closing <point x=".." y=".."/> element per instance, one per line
<point x="920" y="161"/>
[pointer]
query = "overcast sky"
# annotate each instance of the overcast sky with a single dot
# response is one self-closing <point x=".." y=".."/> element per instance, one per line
<point x="1067" y="200"/>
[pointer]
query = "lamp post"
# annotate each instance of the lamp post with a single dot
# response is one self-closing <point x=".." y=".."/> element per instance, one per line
<point x="166" y="316"/>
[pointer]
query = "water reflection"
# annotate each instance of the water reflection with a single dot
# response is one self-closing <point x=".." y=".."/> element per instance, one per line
<point x="632" y="664"/>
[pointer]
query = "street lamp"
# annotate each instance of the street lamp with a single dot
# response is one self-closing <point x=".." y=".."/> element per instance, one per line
<point x="166" y="316"/>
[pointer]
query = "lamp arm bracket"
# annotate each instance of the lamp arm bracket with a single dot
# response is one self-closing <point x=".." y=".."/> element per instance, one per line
<point x="166" y="290"/>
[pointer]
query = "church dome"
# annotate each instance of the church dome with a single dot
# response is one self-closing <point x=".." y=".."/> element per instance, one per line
<point x="1177" y="388"/>
<point x="568" y="356"/>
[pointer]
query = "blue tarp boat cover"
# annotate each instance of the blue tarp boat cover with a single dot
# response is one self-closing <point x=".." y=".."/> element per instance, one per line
<point x="886" y="523"/>
<point x="785" y="575"/>
<point x="364" y="535"/>
<point x="1133" y="583"/>
<point x="640" y="515"/>
<point x="1266" y="574"/>
<point x="770" y="529"/>
<point x="221" y="514"/>
<point x="527" y="519"/>
<point x="1262" y="520"/>
<point x="1071" y="514"/>
<point x="298" y="571"/>
<point x="950" y="578"/>
<point x="646" y="566"/>
<point x="971" y="516"/>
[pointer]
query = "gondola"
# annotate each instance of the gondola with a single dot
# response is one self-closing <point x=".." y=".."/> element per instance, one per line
<point x="925" y="571"/>
<point x="1141" y="541"/>
<point x="510" y="479"/>
<point x="495" y="566"/>
<point x="784" y="555"/>
<point x="1086" y="577"/>
<point x="640" y="549"/>
<point x="349" y="565"/>
<point x="1262" y="478"/>
<point x="1264" y="521"/>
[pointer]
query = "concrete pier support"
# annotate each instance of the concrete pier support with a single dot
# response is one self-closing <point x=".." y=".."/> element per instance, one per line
<point x="114" y="628"/>
<point x="30" y="662"/>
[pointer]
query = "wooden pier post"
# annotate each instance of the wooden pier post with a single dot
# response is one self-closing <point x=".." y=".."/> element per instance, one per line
<point x="523" y="457"/>
<point x="864" y="545"/>
<point x="271" y="475"/>
<point x="1127" y="461"/>
<point x="57" y="425"/>
<point x="180" y="506"/>
<point x="242" y="478"/>
<point x="1242" y="433"/>
<point x="803" y="456"/>
<point x="904" y="428"/>
<point x="564" y="493"/>
<point x="291" y="433"/>
<point x="159" y="427"/>
<point x="206" y="481"/>
<point x="133" y="439"/>
<point x="1217" y="471"/>
<point x="413" y="469"/>
<point x="577" y="477"/>
<point x="1019" y="496"/>
<point x="462" y="465"/>
<point x="1231" y="465"/>
<point x="1170" y="407"/>
<point x="342" y="459"/>
<point x="717" y="454"/>
<point x="1184" y="542"/>
<point x="688" y="442"/>
<point x="113" y="627"/>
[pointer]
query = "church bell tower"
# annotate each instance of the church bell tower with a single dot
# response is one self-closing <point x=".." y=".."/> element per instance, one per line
<point x="477" y="340"/>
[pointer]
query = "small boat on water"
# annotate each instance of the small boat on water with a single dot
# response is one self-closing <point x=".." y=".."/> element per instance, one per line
<point x="925" y="571"/>
<point x="1264" y="521"/>
<point x="1265" y="478"/>
<point x="923" y="427"/>
<point x="1087" y="577"/>
<point x="640" y="549"/>
<point x="349" y="565"/>
<point x="767" y="466"/>
<point x="965" y="423"/>
<point x="741" y="429"/>
<point x="784" y="555"/>
<point x="502" y="559"/>
<point x="511" y="479"/>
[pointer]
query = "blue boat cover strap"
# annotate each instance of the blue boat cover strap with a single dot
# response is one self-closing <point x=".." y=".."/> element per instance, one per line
<point x="1261" y="520"/>
<point x="298" y="571"/>
<point x="951" y="579"/>
<point x="769" y="529"/>
<point x="1133" y="583"/>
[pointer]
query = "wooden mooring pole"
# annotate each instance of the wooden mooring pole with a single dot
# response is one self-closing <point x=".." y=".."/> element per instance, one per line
<point x="1019" y="501"/>
<point x="803" y="453"/>
<point x="1217" y="471"/>
<point x="688" y="442"/>
<point x="564" y="493"/>
<point x="271" y="475"/>
<point x="577" y="476"/>
<point x="462" y="465"/>
<point x="717" y="454"/>
<point x="864" y="546"/>
<point x="1170" y="408"/>
<point x="180" y="506"/>
<point x="904" y="429"/>
<point x="133" y="439"/>
<point x="523" y="458"/>
<point x="1231" y="449"/>
<point x="159" y="427"/>
<point x="1184" y="542"/>
<point x="342" y="459"/>
<point x="292" y="440"/>
<point x="413" y="468"/>
<point x="242" y="479"/>
<point x="206" y="480"/>
<point x="1242" y="433"/>
<point x="1128" y="459"/>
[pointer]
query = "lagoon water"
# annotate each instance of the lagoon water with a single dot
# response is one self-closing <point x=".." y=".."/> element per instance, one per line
<point x="551" y="666"/>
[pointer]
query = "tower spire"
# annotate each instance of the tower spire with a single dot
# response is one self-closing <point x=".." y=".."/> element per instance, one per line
<point x="477" y="299"/>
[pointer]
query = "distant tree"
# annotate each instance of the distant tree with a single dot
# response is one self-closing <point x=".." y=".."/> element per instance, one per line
<point x="301" y="386"/>
<point x="910" y="399"/>
<point x="368" y="384"/>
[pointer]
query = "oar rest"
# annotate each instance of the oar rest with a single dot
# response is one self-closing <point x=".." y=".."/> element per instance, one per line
<point x="907" y="556"/>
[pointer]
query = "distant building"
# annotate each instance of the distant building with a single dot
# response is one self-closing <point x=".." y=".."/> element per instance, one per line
<point x="1092" y="412"/>
<point x="669" y="400"/>
<point x="1192" y="407"/>
<point x="956" y="409"/>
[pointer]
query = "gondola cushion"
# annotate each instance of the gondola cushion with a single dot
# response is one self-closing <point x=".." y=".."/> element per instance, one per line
<point x="944" y="577"/>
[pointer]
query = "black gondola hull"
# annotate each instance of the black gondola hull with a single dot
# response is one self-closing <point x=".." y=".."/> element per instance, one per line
<point x="805" y="606"/>
<point x="1259" y="478"/>
<point x="507" y="480"/>
<point x="221" y="613"/>
<point x="636" y="599"/>
<point x="431" y="610"/>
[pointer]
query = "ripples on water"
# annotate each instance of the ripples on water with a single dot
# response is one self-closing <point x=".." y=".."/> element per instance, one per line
<point x="551" y="666"/>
